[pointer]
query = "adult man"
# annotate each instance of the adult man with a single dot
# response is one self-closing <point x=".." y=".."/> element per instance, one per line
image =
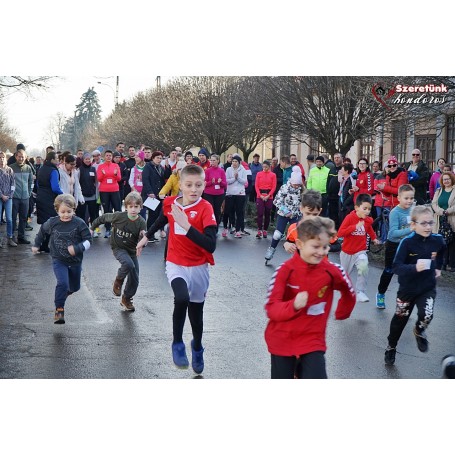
<point x="23" y="177"/>
<point x="317" y="180"/>
<point x="255" y="167"/>
<point x="120" y="147"/>
<point x="328" y="162"/>
<point x="203" y="156"/>
<point x="294" y="162"/>
<point x="79" y="155"/>
<point x="129" y="164"/>
<point x="147" y="154"/>
<point x="310" y="162"/>
<point x="421" y="182"/>
<point x="228" y="161"/>
<point x="286" y="168"/>
<point x="333" y="188"/>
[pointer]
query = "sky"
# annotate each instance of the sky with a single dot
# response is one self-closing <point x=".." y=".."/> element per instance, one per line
<point x="31" y="115"/>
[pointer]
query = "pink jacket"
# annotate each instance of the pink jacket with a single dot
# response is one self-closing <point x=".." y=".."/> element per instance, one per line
<point x="215" y="189"/>
<point x="108" y="175"/>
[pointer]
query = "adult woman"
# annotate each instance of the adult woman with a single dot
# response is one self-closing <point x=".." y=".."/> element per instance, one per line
<point x="7" y="184"/>
<point x="395" y="177"/>
<point x="87" y="180"/>
<point x="265" y="186"/>
<point x="48" y="186"/>
<point x="365" y="179"/>
<point x="135" y="180"/>
<point x="235" y="196"/>
<point x="69" y="179"/>
<point x="109" y="176"/>
<point x="434" y="181"/>
<point x="346" y="198"/>
<point x="215" y="185"/>
<point x="153" y="181"/>
<point x="444" y="208"/>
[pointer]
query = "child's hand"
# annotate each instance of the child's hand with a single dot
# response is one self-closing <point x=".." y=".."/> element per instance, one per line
<point x="142" y="233"/>
<point x="35" y="249"/>
<point x="141" y="245"/>
<point x="71" y="250"/>
<point x="91" y="232"/>
<point x="301" y="300"/>
<point x="289" y="247"/>
<point x="180" y="217"/>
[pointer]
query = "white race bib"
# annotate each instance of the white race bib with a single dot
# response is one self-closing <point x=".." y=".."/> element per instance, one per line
<point x="138" y="183"/>
<point x="92" y="174"/>
<point x="109" y="181"/>
<point x="217" y="187"/>
<point x="315" y="310"/>
<point x="179" y="230"/>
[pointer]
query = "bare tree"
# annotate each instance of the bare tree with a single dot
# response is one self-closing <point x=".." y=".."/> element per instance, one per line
<point x="55" y="129"/>
<point x="25" y="84"/>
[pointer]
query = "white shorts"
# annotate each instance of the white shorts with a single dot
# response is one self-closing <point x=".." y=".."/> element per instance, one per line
<point x="196" y="278"/>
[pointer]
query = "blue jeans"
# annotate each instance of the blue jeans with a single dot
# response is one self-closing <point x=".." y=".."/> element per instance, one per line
<point x="68" y="280"/>
<point x="8" y="205"/>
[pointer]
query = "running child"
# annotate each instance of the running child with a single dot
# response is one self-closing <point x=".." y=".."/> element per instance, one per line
<point x="192" y="240"/>
<point x="69" y="238"/>
<point x="399" y="227"/>
<point x="299" y="302"/>
<point x="354" y="230"/>
<point x="418" y="262"/>
<point x="128" y="227"/>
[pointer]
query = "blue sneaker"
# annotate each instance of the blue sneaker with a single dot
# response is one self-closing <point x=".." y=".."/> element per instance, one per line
<point x="197" y="360"/>
<point x="179" y="355"/>
<point x="380" y="301"/>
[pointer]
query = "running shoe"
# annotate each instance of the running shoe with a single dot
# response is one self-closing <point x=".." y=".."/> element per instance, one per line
<point x="389" y="356"/>
<point x="362" y="297"/>
<point x="264" y="234"/>
<point x="245" y="233"/>
<point x="28" y="227"/>
<point x="107" y="234"/>
<point x="59" y="316"/>
<point x="95" y="234"/>
<point x="179" y="355"/>
<point x="197" y="359"/>
<point x="380" y="301"/>
<point x="269" y="253"/>
<point x="11" y="242"/>
<point x="238" y="235"/>
<point x="259" y="235"/>
<point x="224" y="233"/>
<point x="422" y="342"/>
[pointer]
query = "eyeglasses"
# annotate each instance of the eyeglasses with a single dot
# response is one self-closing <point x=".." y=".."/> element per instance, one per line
<point x="392" y="165"/>
<point x="416" y="154"/>
<point x="363" y="163"/>
<point x="424" y="223"/>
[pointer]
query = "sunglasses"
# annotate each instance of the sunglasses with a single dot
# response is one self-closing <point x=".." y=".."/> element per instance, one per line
<point x="424" y="223"/>
<point x="392" y="165"/>
<point x="416" y="154"/>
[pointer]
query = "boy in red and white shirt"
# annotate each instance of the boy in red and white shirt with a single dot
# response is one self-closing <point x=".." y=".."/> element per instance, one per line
<point x="192" y="240"/>
<point x="299" y="303"/>
<point x="354" y="230"/>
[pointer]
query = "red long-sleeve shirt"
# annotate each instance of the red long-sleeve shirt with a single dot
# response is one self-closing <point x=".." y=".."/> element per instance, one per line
<point x="108" y="178"/>
<point x="291" y="332"/>
<point x="354" y="238"/>
<point x="365" y="183"/>
<point x="265" y="181"/>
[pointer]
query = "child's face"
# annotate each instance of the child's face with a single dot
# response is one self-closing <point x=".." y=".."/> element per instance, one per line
<point x="192" y="187"/>
<point x="313" y="251"/>
<point x="133" y="210"/>
<point x="363" y="210"/>
<point x="406" y="199"/>
<point x="424" y="225"/>
<point x="308" y="212"/>
<point x="65" y="213"/>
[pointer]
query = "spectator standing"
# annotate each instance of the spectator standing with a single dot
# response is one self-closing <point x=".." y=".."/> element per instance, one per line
<point x="255" y="167"/>
<point x="228" y="161"/>
<point x="434" y="180"/>
<point x="395" y="177"/>
<point x="130" y="162"/>
<point x="421" y="182"/>
<point x="88" y="182"/>
<point x="333" y="188"/>
<point x="7" y="187"/>
<point x="69" y="179"/>
<point x="215" y="186"/>
<point x="203" y="156"/>
<point x="365" y="179"/>
<point x="285" y="164"/>
<point x="317" y="180"/>
<point x="265" y="186"/>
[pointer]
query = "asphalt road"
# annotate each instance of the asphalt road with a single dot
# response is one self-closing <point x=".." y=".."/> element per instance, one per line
<point x="99" y="340"/>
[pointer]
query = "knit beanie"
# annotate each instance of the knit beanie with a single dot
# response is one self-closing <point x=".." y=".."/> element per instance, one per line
<point x="296" y="176"/>
<point x="141" y="155"/>
<point x="20" y="147"/>
<point x="320" y="158"/>
<point x="204" y="151"/>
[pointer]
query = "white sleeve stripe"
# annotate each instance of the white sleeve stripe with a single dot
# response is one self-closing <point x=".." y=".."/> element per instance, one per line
<point x="86" y="244"/>
<point x="345" y="276"/>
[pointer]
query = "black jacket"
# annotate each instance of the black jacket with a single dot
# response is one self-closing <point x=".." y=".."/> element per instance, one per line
<point x="87" y="179"/>
<point x="420" y="184"/>
<point x="152" y="179"/>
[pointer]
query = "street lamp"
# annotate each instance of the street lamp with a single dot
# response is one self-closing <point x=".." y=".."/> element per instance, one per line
<point x="115" y="92"/>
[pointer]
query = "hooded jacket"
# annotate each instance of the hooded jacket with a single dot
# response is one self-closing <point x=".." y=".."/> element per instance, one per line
<point x="355" y="238"/>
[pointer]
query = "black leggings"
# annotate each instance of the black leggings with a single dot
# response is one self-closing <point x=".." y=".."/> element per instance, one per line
<point x="387" y="274"/>
<point x="216" y="201"/>
<point x="307" y="366"/>
<point x="110" y="201"/>
<point x="89" y="210"/>
<point x="195" y="314"/>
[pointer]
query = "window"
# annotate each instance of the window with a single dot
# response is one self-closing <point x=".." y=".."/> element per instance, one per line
<point x="427" y="146"/>
<point x="450" y="153"/>
<point x="367" y="149"/>
<point x="399" y="141"/>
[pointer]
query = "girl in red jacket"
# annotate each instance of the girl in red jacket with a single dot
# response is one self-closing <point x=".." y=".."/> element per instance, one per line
<point x="265" y="185"/>
<point x="299" y="303"/>
<point x="365" y="179"/>
<point x="109" y="174"/>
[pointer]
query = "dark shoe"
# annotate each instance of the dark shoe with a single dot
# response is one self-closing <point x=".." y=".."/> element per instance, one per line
<point x="117" y="288"/>
<point x="59" y="316"/>
<point x="179" y="355"/>
<point x="197" y="359"/>
<point x="44" y="250"/>
<point x="127" y="303"/>
<point x="23" y="241"/>
<point x="245" y="233"/>
<point x="422" y="342"/>
<point x="389" y="356"/>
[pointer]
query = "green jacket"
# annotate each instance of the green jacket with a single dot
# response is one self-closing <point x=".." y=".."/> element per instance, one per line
<point x="317" y="179"/>
<point x="23" y="176"/>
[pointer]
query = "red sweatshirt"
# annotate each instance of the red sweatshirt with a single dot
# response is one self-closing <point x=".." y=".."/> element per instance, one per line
<point x="107" y="177"/>
<point x="293" y="332"/>
<point x="355" y="239"/>
<point x="265" y="181"/>
<point x="365" y="183"/>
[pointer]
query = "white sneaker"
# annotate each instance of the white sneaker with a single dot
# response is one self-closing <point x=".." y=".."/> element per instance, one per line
<point x="362" y="297"/>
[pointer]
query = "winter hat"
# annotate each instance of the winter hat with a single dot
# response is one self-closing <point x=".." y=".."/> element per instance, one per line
<point x="188" y="153"/>
<point x="204" y="151"/>
<point x="141" y="155"/>
<point x="20" y="147"/>
<point x="86" y="155"/>
<point x="96" y="152"/>
<point x="116" y="154"/>
<point x="392" y="160"/>
<point x="320" y="158"/>
<point x="237" y="158"/>
<point x="296" y="176"/>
